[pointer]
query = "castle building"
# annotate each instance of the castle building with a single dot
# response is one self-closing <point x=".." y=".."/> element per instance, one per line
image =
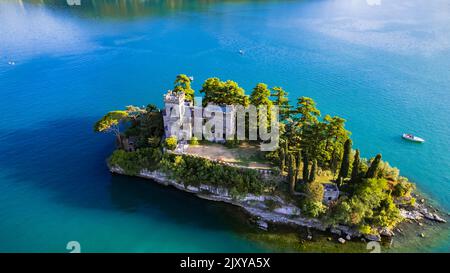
<point x="184" y="120"/>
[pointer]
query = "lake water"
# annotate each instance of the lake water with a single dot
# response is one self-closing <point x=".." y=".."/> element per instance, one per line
<point x="383" y="65"/>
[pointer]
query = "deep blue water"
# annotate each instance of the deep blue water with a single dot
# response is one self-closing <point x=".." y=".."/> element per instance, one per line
<point x="383" y="65"/>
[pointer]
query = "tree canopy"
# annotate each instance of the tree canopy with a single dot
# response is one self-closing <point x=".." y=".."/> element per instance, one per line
<point x="183" y="84"/>
<point x="111" y="122"/>
<point x="306" y="111"/>
<point x="282" y="101"/>
<point x="261" y="96"/>
<point x="227" y="93"/>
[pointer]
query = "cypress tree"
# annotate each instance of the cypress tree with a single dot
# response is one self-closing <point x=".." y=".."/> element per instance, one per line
<point x="292" y="172"/>
<point x="298" y="160"/>
<point x="355" y="168"/>
<point x="282" y="158"/>
<point x="286" y="152"/>
<point x="305" y="167"/>
<point x="312" y="175"/>
<point x="373" y="169"/>
<point x="345" y="165"/>
<point x="334" y="162"/>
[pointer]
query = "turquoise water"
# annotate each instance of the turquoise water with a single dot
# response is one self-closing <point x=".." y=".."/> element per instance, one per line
<point x="383" y="65"/>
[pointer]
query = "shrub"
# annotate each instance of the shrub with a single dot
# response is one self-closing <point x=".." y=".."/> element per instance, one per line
<point x="314" y="191"/>
<point x="133" y="162"/>
<point x="195" y="171"/>
<point x="231" y="143"/>
<point x="387" y="214"/>
<point x="402" y="188"/>
<point x="312" y="208"/>
<point x="194" y="141"/>
<point x="365" y="229"/>
<point x="312" y="205"/>
<point x="154" y="141"/>
<point x="388" y="172"/>
<point x="171" y="143"/>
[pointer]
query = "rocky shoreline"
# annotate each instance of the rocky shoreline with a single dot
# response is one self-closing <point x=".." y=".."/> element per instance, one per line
<point x="287" y="213"/>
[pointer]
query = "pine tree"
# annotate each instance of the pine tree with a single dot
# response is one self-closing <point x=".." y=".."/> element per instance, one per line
<point x="261" y="96"/>
<point x="282" y="158"/>
<point x="292" y="172"/>
<point x="298" y="160"/>
<point x="306" y="112"/>
<point x="355" y="168"/>
<point x="312" y="175"/>
<point x="282" y="102"/>
<point x="345" y="165"/>
<point x="286" y="152"/>
<point x="373" y="169"/>
<point x="305" y="167"/>
<point x="183" y="84"/>
<point x="286" y="147"/>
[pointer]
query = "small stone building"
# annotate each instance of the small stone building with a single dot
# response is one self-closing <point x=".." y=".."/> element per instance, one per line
<point x="331" y="193"/>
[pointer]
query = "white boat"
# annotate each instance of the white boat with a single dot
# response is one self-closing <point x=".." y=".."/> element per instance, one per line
<point x="241" y="52"/>
<point x="413" y="138"/>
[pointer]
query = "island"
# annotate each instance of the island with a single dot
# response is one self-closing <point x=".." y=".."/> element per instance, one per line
<point x="313" y="177"/>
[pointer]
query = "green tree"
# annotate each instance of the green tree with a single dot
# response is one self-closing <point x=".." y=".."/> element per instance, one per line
<point x="281" y="100"/>
<point x="335" y="137"/>
<point x="305" y="174"/>
<point x="282" y="159"/>
<point x="306" y="111"/>
<point x="373" y="169"/>
<point x="223" y="93"/>
<point x="307" y="131"/>
<point x="110" y="123"/>
<point x="182" y="84"/>
<point x="312" y="142"/>
<point x="355" y="168"/>
<point x="370" y="204"/>
<point x="147" y="127"/>
<point x="388" y="214"/>
<point x="312" y="175"/>
<point x="298" y="160"/>
<point x="292" y="171"/>
<point x="261" y="97"/>
<point x="403" y="188"/>
<point x="345" y="164"/>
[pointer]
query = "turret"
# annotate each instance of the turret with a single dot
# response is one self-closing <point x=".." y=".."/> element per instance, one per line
<point x="175" y="113"/>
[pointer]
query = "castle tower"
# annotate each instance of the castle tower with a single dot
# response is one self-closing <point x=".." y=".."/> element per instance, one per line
<point x="177" y="116"/>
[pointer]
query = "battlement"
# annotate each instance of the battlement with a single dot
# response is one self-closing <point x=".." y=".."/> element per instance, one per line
<point x="174" y="98"/>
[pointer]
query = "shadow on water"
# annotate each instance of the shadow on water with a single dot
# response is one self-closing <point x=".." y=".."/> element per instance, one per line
<point x="137" y="194"/>
<point x="66" y="160"/>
